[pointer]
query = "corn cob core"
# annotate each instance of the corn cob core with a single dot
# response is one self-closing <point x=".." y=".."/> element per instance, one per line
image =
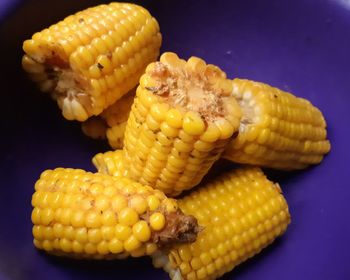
<point x="82" y="214"/>
<point x="241" y="213"/>
<point x="181" y="120"/>
<point x="111" y="162"/>
<point x="278" y="129"/>
<point x="92" y="58"/>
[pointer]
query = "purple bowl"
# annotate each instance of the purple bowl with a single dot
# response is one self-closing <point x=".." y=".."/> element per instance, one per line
<point x="299" y="46"/>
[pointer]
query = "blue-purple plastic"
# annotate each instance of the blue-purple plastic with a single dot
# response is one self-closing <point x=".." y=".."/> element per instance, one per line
<point x="302" y="46"/>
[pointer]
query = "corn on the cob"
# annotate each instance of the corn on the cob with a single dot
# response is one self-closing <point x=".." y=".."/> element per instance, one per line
<point x="116" y="117"/>
<point x="94" y="127"/>
<point x="82" y="214"/>
<point x="277" y="130"/>
<point x="111" y="122"/>
<point x="92" y="58"/>
<point x="241" y="214"/>
<point x="180" y="122"/>
<point x="111" y="162"/>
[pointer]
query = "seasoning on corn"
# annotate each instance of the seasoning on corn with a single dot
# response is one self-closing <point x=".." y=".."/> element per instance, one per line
<point x="88" y="215"/>
<point x="111" y="163"/>
<point x="277" y="130"/>
<point x="111" y="122"/>
<point x="241" y="213"/>
<point x="180" y="122"/>
<point x="94" y="127"/>
<point x="92" y="58"/>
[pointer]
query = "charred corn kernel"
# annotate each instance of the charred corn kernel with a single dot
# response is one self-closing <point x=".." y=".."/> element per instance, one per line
<point x="94" y="127"/>
<point x="277" y="130"/>
<point x="188" y="120"/>
<point x="110" y="162"/>
<point x="228" y="209"/>
<point x="105" y="216"/>
<point x="92" y="58"/>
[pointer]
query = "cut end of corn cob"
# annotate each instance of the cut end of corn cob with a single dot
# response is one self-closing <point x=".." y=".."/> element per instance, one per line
<point x="92" y="58"/>
<point x="88" y="215"/>
<point x="95" y="128"/>
<point x="241" y="213"/>
<point x="181" y="119"/>
<point x="277" y="130"/>
<point x="190" y="86"/>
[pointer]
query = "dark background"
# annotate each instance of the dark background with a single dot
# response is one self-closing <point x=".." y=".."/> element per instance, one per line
<point x="301" y="46"/>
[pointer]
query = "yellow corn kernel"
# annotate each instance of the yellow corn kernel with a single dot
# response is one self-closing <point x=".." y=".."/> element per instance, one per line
<point x="110" y="163"/>
<point x="92" y="58"/>
<point x="132" y="243"/>
<point x="157" y="221"/>
<point x="141" y="231"/>
<point x="277" y="130"/>
<point x="113" y="217"/>
<point x="153" y="202"/>
<point x="116" y="117"/>
<point x="111" y="122"/>
<point x="227" y="239"/>
<point x="187" y="121"/>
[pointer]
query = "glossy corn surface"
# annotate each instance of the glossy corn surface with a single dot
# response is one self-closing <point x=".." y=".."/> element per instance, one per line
<point x="92" y="58"/>
<point x="180" y="122"/>
<point x="86" y="215"/>
<point x="241" y="213"/>
<point x="111" y="162"/>
<point x="278" y="129"/>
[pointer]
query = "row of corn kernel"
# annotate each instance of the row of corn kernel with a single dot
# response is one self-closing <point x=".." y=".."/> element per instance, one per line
<point x="111" y="122"/>
<point x="278" y="130"/>
<point x="98" y="216"/>
<point x="241" y="213"/>
<point x="169" y="149"/>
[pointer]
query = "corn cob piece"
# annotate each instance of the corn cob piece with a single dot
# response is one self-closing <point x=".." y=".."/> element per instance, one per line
<point x="278" y="130"/>
<point x="92" y="58"/>
<point x="88" y="215"/>
<point x="241" y="213"/>
<point x="111" y="122"/>
<point x="95" y="127"/>
<point x="111" y="162"/>
<point x="180" y="122"/>
<point x="116" y="117"/>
